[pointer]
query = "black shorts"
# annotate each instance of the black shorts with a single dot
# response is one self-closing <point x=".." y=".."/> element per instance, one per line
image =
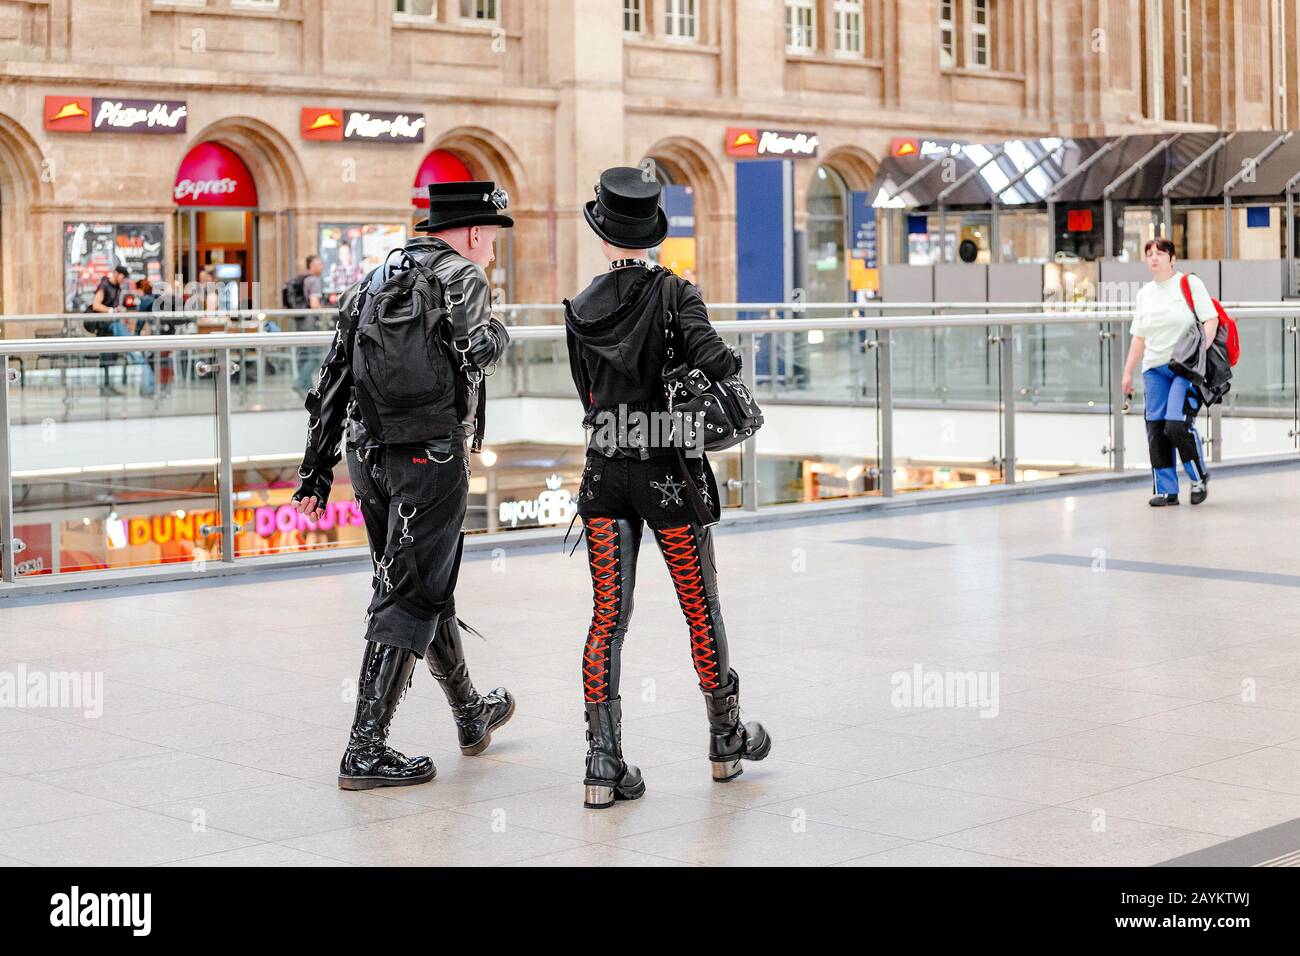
<point x="654" y="490"/>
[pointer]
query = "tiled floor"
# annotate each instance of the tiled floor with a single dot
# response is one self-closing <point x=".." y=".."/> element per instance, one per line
<point x="1138" y="717"/>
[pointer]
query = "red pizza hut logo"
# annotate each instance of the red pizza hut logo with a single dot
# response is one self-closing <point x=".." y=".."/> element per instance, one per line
<point x="322" y="125"/>
<point x="84" y="114"/>
<point x="751" y="142"/>
<point x="419" y="461"/>
<point x="197" y="189"/>
<point x="68" y="114"/>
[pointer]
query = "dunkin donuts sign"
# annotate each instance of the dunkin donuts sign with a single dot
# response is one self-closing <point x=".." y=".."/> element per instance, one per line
<point x="87" y="114"/>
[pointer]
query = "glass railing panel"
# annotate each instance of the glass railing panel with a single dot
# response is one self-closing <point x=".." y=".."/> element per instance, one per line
<point x="104" y="476"/>
<point x="947" y="424"/>
<point x="1259" y="414"/>
<point x="1062" y="395"/>
<point x="821" y="437"/>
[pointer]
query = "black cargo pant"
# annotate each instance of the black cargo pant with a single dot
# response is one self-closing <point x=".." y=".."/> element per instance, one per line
<point x="413" y="501"/>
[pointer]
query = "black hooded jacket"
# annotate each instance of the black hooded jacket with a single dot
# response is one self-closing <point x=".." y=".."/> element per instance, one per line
<point x="615" y="333"/>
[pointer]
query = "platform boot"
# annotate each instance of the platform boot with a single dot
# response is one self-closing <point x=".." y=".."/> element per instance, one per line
<point x="609" y="777"/>
<point x="476" y="715"/>
<point x="731" y="741"/>
<point x="368" y="761"/>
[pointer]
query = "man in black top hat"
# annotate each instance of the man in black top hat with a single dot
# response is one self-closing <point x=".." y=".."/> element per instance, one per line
<point x="617" y="341"/>
<point x="413" y="486"/>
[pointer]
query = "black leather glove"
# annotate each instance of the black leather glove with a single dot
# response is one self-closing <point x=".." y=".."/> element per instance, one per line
<point x="315" y="483"/>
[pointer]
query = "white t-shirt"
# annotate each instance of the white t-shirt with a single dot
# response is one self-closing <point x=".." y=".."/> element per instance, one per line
<point x="1161" y="316"/>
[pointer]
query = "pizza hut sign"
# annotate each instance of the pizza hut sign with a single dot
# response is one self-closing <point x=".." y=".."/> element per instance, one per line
<point x="751" y="143"/>
<point x="328" y="124"/>
<point x="86" y="114"/>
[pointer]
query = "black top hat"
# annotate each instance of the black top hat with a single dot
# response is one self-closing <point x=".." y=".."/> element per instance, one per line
<point x="452" y="205"/>
<point x="626" y="211"/>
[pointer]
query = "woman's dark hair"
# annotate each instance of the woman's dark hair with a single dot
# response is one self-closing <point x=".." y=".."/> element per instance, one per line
<point x="1164" y="245"/>
<point x="145" y="286"/>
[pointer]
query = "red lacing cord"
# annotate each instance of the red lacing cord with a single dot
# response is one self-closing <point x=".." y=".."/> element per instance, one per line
<point x="602" y="545"/>
<point x="683" y="558"/>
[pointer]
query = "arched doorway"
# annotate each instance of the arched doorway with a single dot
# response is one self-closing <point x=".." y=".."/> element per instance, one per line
<point x="28" y="242"/>
<point x="216" y="198"/>
<point x="694" y="195"/>
<point x="467" y="155"/>
<point x="827" y="270"/>
<point x="677" y="252"/>
<point x="276" y="240"/>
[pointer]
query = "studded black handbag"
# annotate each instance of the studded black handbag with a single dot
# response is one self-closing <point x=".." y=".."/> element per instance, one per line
<point x="723" y="408"/>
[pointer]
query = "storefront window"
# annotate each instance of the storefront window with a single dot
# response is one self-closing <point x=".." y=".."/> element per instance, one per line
<point x="827" y="240"/>
<point x="1136" y="226"/>
<point x="350" y="250"/>
<point x="93" y="249"/>
<point x="1024" y="236"/>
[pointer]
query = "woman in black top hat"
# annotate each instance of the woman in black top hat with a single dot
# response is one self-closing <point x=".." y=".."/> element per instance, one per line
<point x="635" y="475"/>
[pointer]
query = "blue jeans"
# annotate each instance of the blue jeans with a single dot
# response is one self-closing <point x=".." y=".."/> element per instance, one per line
<point x="309" y="360"/>
<point x="118" y="327"/>
<point x="1171" y="407"/>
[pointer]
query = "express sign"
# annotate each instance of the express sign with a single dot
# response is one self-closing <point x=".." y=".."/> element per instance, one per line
<point x="752" y="142"/>
<point x="334" y="125"/>
<point x="86" y="114"/>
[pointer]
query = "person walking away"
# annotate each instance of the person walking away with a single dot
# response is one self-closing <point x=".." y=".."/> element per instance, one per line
<point x="1160" y="319"/>
<point x="409" y="412"/>
<point x="616" y="336"/>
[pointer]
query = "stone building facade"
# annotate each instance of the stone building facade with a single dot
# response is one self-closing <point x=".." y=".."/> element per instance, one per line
<point x="540" y="95"/>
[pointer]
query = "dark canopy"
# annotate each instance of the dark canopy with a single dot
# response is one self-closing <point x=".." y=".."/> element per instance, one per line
<point x="1031" y="171"/>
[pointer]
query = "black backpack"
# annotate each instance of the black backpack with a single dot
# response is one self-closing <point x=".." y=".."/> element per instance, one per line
<point x="293" y="295"/>
<point x="409" y="363"/>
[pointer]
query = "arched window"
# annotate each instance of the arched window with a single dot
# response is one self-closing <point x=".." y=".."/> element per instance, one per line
<point x="827" y="230"/>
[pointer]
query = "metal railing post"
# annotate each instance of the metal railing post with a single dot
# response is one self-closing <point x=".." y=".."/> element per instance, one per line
<point x="885" y="408"/>
<point x="748" y="450"/>
<point x="1117" y="354"/>
<point x="1008" y="388"/>
<point x="1216" y="433"/>
<point x="7" y="570"/>
<point x="225" y="457"/>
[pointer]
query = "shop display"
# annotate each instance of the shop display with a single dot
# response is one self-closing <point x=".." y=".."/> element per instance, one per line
<point x="93" y="249"/>
<point x="350" y="250"/>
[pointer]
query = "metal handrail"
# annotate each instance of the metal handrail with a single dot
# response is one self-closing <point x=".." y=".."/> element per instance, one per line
<point x="876" y="306"/>
<point x="846" y="323"/>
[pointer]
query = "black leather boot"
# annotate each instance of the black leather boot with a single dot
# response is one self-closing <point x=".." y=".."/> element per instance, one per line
<point x="476" y="715"/>
<point x="368" y="761"/>
<point x="730" y="741"/>
<point x="609" y="776"/>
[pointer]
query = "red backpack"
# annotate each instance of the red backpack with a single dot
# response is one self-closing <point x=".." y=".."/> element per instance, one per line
<point x="1232" y="342"/>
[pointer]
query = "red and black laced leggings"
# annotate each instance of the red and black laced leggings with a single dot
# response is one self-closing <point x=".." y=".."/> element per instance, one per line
<point x="612" y="546"/>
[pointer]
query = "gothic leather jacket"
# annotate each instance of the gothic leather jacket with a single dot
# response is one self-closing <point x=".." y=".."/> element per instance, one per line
<point x="331" y="405"/>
